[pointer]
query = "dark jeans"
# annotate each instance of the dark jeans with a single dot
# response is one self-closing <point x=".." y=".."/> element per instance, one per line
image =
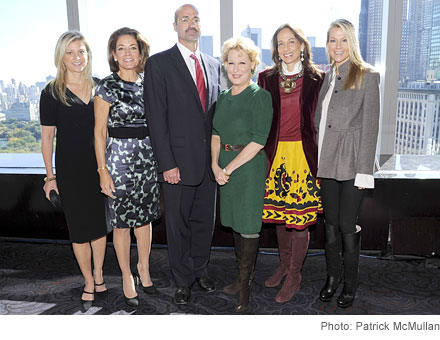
<point x="341" y="201"/>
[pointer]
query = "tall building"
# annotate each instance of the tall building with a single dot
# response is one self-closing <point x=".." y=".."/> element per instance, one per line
<point x="319" y="56"/>
<point x="266" y="57"/>
<point x="254" y="34"/>
<point x="40" y="85"/>
<point x="417" y="20"/>
<point x="426" y="39"/>
<point x="312" y="41"/>
<point x="404" y="44"/>
<point x="363" y="28"/>
<point x="418" y="119"/>
<point x="418" y="107"/>
<point x="206" y="44"/>
<point x="374" y="31"/>
<point x="23" y="111"/>
<point x="3" y="101"/>
<point x="434" y="56"/>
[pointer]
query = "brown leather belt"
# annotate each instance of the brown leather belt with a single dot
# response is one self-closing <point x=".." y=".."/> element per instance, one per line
<point x="229" y="147"/>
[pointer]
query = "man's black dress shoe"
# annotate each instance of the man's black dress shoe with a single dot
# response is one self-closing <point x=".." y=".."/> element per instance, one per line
<point x="206" y="283"/>
<point x="182" y="295"/>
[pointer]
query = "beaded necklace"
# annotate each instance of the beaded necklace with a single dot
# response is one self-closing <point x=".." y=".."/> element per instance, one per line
<point x="289" y="84"/>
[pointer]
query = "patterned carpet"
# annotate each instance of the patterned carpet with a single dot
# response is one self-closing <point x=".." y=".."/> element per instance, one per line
<point x="43" y="278"/>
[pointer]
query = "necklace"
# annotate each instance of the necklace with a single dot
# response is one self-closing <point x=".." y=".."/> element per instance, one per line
<point x="289" y="84"/>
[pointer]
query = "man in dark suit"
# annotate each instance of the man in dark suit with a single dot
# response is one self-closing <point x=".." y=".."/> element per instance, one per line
<point x="181" y="87"/>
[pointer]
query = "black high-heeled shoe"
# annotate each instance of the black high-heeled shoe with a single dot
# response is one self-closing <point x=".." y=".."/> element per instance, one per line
<point x="134" y="301"/>
<point x="138" y="282"/>
<point x="103" y="294"/>
<point x="86" y="304"/>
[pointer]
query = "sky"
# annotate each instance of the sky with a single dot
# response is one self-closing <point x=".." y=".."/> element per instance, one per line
<point x="29" y="29"/>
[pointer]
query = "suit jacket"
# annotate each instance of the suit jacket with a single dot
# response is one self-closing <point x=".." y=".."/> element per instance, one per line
<point x="351" y="129"/>
<point x="308" y="100"/>
<point x="179" y="129"/>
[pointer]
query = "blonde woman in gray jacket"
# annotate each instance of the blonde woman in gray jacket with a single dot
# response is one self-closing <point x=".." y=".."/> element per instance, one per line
<point x="347" y="120"/>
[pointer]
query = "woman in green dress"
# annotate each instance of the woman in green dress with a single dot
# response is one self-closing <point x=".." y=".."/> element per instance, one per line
<point x="241" y="126"/>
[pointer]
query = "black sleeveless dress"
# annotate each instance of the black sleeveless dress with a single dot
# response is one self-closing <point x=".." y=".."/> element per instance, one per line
<point x="75" y="163"/>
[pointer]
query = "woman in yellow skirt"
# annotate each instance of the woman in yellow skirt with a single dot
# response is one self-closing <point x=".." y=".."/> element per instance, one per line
<point x="292" y="198"/>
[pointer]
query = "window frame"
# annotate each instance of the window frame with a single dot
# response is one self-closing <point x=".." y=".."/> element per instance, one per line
<point x="389" y="66"/>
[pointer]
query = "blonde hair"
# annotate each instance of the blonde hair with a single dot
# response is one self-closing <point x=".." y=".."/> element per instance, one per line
<point x="241" y="44"/>
<point x="57" y="86"/>
<point x="358" y="66"/>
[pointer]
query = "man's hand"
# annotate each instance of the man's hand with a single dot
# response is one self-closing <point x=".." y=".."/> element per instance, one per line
<point x="172" y="176"/>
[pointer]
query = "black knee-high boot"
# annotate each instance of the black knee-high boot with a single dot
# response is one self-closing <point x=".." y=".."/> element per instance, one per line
<point x="234" y="287"/>
<point x="333" y="258"/>
<point x="352" y="247"/>
<point x="249" y="252"/>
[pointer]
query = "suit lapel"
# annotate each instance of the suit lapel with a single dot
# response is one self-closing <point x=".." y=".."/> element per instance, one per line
<point x="182" y="70"/>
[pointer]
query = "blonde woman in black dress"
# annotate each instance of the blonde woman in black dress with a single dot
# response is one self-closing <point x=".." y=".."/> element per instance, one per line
<point x="126" y="163"/>
<point x="66" y="110"/>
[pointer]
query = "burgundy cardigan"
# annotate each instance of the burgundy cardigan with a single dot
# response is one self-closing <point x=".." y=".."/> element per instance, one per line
<point x="308" y="100"/>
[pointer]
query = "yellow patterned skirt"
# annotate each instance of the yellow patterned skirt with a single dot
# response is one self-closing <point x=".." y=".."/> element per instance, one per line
<point x="292" y="193"/>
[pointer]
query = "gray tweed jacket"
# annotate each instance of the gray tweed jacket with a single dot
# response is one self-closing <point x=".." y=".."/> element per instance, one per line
<point x="351" y="129"/>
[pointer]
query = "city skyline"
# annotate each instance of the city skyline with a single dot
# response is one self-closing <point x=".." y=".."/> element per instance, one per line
<point x="418" y="99"/>
<point x="36" y="30"/>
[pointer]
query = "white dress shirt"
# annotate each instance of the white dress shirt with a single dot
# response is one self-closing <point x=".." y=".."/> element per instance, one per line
<point x="191" y="63"/>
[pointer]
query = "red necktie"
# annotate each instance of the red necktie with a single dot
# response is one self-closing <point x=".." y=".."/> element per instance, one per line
<point x="201" y="88"/>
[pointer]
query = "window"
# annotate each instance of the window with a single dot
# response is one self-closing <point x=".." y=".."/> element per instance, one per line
<point x="153" y="19"/>
<point x="28" y="32"/>
<point x="418" y="70"/>
<point x="255" y="19"/>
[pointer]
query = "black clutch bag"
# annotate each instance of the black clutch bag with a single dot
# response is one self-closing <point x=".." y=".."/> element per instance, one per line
<point x="55" y="199"/>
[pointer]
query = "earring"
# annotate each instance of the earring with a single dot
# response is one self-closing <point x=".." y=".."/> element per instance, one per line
<point x="116" y="60"/>
<point x="302" y="55"/>
<point x="252" y="71"/>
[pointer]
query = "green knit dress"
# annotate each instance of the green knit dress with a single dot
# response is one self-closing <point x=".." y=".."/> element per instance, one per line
<point x="239" y="120"/>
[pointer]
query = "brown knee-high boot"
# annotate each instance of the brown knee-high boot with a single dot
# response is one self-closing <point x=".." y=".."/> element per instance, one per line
<point x="234" y="287"/>
<point x="300" y="245"/>
<point x="284" y="238"/>
<point x="249" y="252"/>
